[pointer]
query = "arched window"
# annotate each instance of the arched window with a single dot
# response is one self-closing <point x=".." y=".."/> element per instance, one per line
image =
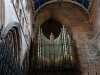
<point x="12" y="41"/>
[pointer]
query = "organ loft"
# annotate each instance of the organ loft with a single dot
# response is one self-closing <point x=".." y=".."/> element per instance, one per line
<point x="49" y="37"/>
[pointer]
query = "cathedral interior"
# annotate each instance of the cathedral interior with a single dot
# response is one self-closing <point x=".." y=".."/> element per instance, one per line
<point x="49" y="37"/>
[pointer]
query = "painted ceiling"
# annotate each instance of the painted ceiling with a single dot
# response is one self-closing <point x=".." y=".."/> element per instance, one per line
<point x="38" y="3"/>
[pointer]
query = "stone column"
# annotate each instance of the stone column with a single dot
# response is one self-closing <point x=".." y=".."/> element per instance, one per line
<point x="1" y="13"/>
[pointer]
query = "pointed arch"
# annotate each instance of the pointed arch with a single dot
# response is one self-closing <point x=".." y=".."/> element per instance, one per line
<point x="12" y="38"/>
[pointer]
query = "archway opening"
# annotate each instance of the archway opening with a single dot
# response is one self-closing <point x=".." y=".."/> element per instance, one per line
<point x="12" y="40"/>
<point x="51" y="26"/>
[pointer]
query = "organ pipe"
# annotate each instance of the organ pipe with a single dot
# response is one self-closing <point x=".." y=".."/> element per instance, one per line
<point x="55" y="52"/>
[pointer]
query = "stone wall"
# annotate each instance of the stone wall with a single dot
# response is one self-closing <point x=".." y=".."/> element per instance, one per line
<point x="18" y="11"/>
<point x="95" y="21"/>
<point x="95" y="18"/>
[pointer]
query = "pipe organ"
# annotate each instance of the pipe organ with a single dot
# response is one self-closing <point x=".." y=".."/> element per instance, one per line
<point x="54" y="53"/>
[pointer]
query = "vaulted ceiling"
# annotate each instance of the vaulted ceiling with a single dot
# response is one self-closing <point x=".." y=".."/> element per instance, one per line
<point x="85" y="3"/>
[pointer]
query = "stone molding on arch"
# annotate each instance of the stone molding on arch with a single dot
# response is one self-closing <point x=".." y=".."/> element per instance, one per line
<point x="9" y="27"/>
<point x="45" y="12"/>
<point x="55" y="1"/>
<point x="14" y="29"/>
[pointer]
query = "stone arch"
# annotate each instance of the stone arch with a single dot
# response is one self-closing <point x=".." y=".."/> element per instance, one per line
<point x="48" y="10"/>
<point x="72" y="15"/>
<point x="50" y="2"/>
<point x="72" y="12"/>
<point x="11" y="37"/>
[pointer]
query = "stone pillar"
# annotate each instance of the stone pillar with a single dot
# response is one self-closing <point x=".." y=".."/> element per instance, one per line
<point x="1" y="13"/>
<point x="52" y="60"/>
